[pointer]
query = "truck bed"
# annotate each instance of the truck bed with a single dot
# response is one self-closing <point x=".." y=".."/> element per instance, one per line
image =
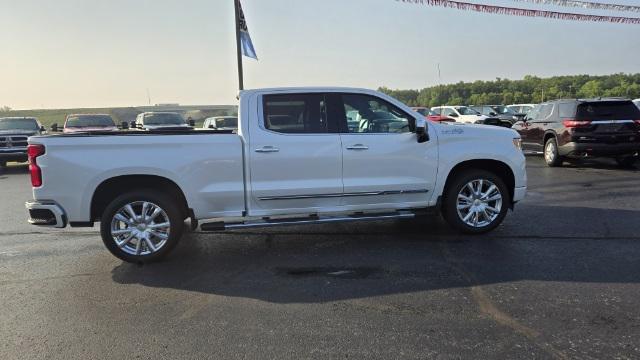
<point x="207" y="165"/>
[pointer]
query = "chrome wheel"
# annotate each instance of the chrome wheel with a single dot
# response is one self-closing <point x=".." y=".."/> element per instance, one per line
<point x="550" y="152"/>
<point x="140" y="228"/>
<point x="479" y="203"/>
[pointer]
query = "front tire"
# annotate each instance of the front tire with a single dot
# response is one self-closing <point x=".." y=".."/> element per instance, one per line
<point x="476" y="202"/>
<point x="141" y="226"/>
<point x="551" y="155"/>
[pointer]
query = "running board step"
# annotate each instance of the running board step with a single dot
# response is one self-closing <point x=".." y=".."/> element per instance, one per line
<point x="314" y="219"/>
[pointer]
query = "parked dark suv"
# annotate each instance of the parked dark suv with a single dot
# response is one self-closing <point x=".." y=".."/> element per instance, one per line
<point x="582" y="128"/>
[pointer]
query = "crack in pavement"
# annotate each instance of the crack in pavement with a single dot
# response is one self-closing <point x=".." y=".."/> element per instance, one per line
<point x="488" y="308"/>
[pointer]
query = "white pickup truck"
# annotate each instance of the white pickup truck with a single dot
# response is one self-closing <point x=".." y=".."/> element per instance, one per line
<point x="294" y="160"/>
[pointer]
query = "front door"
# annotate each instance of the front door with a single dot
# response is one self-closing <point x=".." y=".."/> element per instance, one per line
<point x="383" y="163"/>
<point x="295" y="157"/>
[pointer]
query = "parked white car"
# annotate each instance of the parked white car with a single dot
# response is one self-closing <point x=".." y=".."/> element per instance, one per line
<point x="221" y="123"/>
<point x="462" y="114"/>
<point x="521" y="108"/>
<point x="160" y="120"/>
<point x="289" y="163"/>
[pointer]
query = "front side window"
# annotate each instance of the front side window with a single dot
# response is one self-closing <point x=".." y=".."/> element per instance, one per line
<point x="545" y="111"/>
<point x="369" y="114"/>
<point x="533" y="114"/>
<point x="295" y="113"/>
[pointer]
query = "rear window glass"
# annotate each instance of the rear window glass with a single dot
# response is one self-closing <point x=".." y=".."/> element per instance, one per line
<point x="18" y="124"/>
<point x="89" y="121"/>
<point x="608" y="110"/>
<point x="163" y="119"/>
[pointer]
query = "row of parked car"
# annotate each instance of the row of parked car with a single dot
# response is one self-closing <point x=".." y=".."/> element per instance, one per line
<point x="15" y="131"/>
<point x="561" y="129"/>
<point x="500" y="115"/>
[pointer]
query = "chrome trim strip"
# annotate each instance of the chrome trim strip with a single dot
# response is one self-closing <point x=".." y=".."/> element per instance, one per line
<point x="612" y="121"/>
<point x="320" y="196"/>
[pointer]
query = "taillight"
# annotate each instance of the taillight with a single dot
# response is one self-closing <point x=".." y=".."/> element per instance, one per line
<point x="33" y="151"/>
<point x="637" y="121"/>
<point x="571" y="123"/>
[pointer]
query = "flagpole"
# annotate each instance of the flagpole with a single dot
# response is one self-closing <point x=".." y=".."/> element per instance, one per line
<point x="238" y="45"/>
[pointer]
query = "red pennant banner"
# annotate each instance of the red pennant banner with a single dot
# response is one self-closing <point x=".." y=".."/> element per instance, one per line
<point x="584" y="5"/>
<point x="491" y="9"/>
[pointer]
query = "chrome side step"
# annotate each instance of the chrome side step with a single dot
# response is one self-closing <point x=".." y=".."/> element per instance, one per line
<point x="313" y="219"/>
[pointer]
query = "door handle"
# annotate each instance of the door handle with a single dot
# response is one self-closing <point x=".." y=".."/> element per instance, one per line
<point x="358" y="147"/>
<point x="267" y="149"/>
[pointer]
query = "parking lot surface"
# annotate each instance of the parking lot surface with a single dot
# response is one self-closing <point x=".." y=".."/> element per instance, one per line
<point x="560" y="279"/>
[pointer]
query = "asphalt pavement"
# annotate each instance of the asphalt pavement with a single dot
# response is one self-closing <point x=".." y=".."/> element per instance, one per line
<point x="560" y="279"/>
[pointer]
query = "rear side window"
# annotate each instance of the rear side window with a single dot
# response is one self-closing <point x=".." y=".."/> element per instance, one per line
<point x="295" y="113"/>
<point x="567" y="110"/>
<point x="608" y="110"/>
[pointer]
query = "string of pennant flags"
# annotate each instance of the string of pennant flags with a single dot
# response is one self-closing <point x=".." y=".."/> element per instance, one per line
<point x="584" y="5"/>
<point x="494" y="9"/>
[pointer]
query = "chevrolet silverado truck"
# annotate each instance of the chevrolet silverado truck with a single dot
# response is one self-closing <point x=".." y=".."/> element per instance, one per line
<point x="14" y="132"/>
<point x="293" y="160"/>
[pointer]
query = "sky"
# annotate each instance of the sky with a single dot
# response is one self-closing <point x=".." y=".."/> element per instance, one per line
<point x="99" y="53"/>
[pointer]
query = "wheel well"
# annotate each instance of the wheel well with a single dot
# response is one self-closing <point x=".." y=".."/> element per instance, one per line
<point x="111" y="188"/>
<point x="502" y="170"/>
<point x="548" y="136"/>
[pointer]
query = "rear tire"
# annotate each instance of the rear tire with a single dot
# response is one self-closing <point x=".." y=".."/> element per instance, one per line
<point x="551" y="156"/>
<point x="626" y="161"/>
<point x="141" y="226"/>
<point x="475" y="202"/>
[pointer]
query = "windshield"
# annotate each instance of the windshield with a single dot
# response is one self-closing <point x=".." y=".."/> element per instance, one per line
<point x="503" y="110"/>
<point x="463" y="110"/>
<point x="227" y="123"/>
<point x="89" y="121"/>
<point x="18" y="124"/>
<point x="163" y="119"/>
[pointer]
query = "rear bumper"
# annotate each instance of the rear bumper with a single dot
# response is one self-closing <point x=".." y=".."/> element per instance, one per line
<point x="598" y="149"/>
<point x="46" y="213"/>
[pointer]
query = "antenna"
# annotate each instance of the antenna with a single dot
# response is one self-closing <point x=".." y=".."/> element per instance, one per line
<point x="148" y="97"/>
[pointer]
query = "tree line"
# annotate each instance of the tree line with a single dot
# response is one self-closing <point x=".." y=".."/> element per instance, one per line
<point x="531" y="89"/>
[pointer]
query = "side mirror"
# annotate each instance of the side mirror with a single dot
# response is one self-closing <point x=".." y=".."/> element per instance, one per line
<point x="125" y="125"/>
<point x="211" y="126"/>
<point x="132" y="125"/>
<point x="421" y="130"/>
<point x="192" y="123"/>
<point x="54" y="127"/>
<point x="42" y="128"/>
<point x="493" y="113"/>
<point x="454" y="115"/>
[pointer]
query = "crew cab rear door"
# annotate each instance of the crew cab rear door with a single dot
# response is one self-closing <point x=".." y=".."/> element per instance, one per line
<point x="384" y="166"/>
<point x="295" y="158"/>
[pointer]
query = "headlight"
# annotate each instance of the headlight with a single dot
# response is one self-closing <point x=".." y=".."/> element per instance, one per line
<point x="517" y="142"/>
